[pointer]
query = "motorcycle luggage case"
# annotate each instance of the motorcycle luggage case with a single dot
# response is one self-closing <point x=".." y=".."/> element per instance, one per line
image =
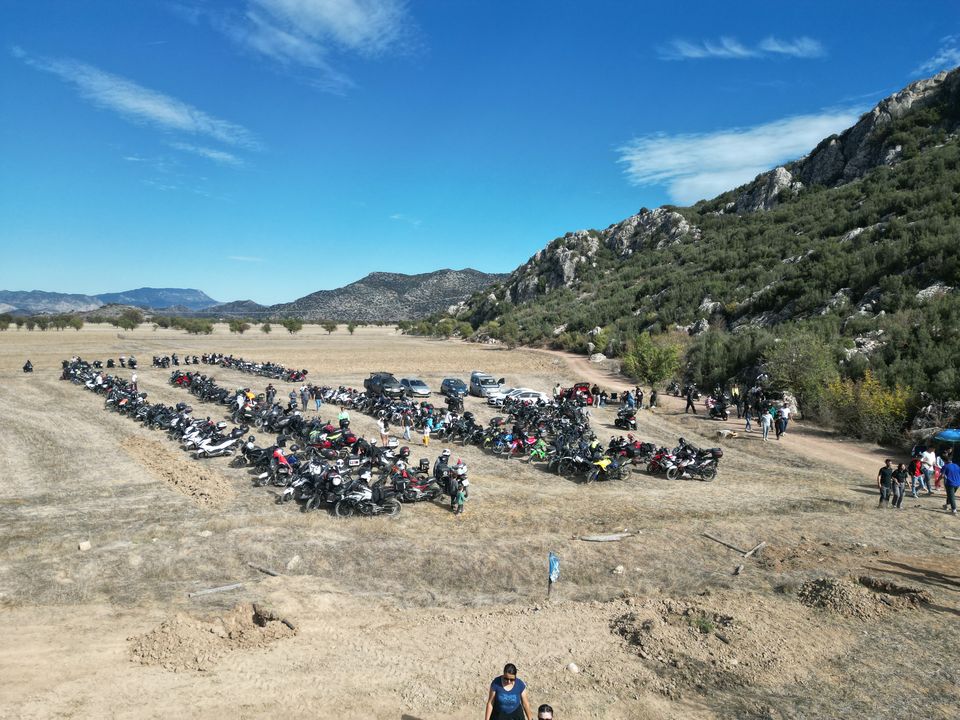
<point x="424" y="465"/>
<point x="716" y="452"/>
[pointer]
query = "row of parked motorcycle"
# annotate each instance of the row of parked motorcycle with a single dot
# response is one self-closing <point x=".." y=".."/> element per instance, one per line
<point x="333" y="468"/>
<point x="267" y="369"/>
<point x="324" y="442"/>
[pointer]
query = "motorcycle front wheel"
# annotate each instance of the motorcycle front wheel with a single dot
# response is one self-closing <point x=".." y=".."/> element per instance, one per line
<point x="624" y="472"/>
<point x="708" y="474"/>
<point x="343" y="509"/>
<point x="391" y="508"/>
<point x="593" y="475"/>
<point x="673" y="473"/>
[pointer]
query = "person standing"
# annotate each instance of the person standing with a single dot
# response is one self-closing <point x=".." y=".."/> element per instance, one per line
<point x="343" y="418"/>
<point x="383" y="426"/>
<point x="777" y="421"/>
<point x="508" y="697"/>
<point x="690" y="406"/>
<point x="556" y="391"/>
<point x="885" y="482"/>
<point x="318" y="397"/>
<point x="133" y="382"/>
<point x="747" y="426"/>
<point x="427" y="427"/>
<point x="765" y="422"/>
<point x="653" y="397"/>
<point x="916" y="474"/>
<point x="928" y="461"/>
<point x="271" y="395"/>
<point x="899" y="485"/>
<point x="628" y="399"/>
<point x="544" y="712"/>
<point x="639" y="395"/>
<point x="951" y="480"/>
<point x="305" y="397"/>
<point x="735" y="396"/>
<point x="407" y="422"/>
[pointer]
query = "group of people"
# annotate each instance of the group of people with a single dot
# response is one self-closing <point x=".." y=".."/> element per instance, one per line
<point x="772" y="416"/>
<point x="633" y="399"/>
<point x="925" y="470"/>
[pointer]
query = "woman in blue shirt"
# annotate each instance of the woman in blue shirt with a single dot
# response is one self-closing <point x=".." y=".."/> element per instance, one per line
<point x="508" y="697"/>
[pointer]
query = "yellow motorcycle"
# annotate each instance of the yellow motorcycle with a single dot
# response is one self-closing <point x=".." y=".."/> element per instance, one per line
<point x="608" y="468"/>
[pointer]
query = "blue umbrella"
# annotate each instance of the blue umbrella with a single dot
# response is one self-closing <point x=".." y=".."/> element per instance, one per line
<point x="950" y="435"/>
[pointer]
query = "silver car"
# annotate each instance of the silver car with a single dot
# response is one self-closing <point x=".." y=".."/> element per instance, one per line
<point x="414" y="387"/>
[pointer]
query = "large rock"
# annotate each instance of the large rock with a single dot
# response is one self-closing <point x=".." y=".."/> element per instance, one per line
<point x="767" y="189"/>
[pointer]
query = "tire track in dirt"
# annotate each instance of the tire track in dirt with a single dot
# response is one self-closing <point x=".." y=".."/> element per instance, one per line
<point x="204" y="486"/>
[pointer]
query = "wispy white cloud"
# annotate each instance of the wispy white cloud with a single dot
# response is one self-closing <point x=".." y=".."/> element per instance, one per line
<point x="245" y="258"/>
<point x="946" y="58"/>
<point x="729" y="48"/>
<point x="702" y="165"/>
<point x="219" y="156"/>
<point x="140" y="104"/>
<point x="400" y="217"/>
<point x="306" y="33"/>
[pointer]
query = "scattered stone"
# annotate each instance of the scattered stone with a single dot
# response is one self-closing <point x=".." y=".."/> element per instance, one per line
<point x="206" y="533"/>
<point x="84" y="546"/>
<point x="572" y="667"/>
<point x="618" y="570"/>
<point x="294" y="562"/>
<point x="597" y="358"/>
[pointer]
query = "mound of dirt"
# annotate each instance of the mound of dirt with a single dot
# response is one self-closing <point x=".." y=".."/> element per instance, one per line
<point x="199" y="482"/>
<point x="719" y="643"/>
<point x="866" y="598"/>
<point x="186" y="643"/>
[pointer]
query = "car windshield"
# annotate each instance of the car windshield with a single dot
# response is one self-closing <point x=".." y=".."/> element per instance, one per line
<point x="418" y="383"/>
<point x="487" y="381"/>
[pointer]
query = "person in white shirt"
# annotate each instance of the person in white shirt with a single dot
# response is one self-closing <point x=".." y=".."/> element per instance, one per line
<point x="928" y="461"/>
<point x="785" y="414"/>
<point x="383" y="427"/>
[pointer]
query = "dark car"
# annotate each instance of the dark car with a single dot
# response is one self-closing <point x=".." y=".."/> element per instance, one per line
<point x="453" y="387"/>
<point x="383" y="383"/>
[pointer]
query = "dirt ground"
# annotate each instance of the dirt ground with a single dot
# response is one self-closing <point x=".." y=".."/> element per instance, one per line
<point x="848" y="610"/>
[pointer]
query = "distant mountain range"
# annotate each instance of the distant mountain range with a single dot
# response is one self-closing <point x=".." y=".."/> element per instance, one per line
<point x="39" y="301"/>
<point x="379" y="297"/>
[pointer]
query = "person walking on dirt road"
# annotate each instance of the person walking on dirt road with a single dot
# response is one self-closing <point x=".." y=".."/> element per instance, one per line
<point x="765" y="422"/>
<point x="951" y="480"/>
<point x="885" y="482"/>
<point x="899" y="485"/>
<point x="690" y="406"/>
<point x="508" y="697"/>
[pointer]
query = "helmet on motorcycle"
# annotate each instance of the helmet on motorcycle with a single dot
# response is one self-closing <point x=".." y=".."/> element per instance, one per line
<point x="251" y="439"/>
<point x="404" y="452"/>
<point x="401" y="465"/>
<point x="294" y="448"/>
<point x="461" y="470"/>
<point x="445" y="453"/>
<point x="221" y="425"/>
<point x="335" y="480"/>
<point x="681" y="441"/>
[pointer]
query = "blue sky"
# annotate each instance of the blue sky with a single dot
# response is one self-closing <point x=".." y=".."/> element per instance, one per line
<point x="266" y="149"/>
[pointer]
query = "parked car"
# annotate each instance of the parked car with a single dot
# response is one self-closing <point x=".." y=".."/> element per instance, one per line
<point x="495" y="397"/>
<point x="482" y="384"/>
<point x="383" y="383"/>
<point x="453" y="387"/>
<point x="414" y="387"/>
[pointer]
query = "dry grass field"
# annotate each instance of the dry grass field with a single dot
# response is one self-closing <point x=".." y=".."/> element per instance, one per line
<point x="412" y="617"/>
